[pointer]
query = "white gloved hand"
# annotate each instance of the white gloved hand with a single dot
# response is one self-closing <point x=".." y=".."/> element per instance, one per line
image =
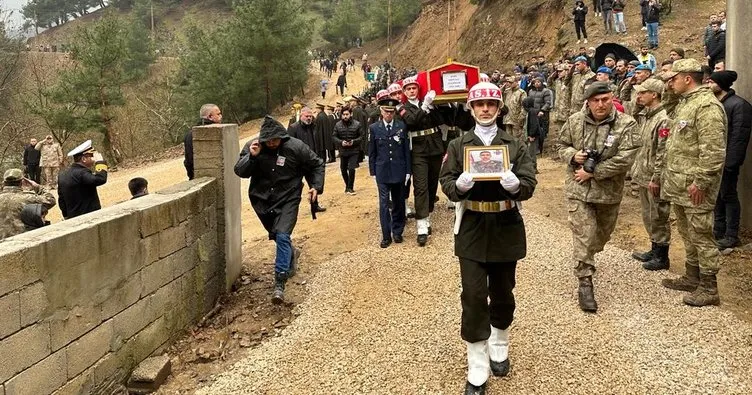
<point x="407" y="179"/>
<point x="428" y="100"/>
<point x="464" y="182"/>
<point x="510" y="182"/>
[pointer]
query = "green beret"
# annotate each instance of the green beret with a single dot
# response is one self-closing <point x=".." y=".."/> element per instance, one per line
<point x="597" y="88"/>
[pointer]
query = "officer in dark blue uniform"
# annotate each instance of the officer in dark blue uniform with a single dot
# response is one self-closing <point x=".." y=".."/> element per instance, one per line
<point x="389" y="160"/>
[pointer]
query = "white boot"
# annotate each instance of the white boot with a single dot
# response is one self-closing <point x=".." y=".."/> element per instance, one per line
<point x="478" y="365"/>
<point x="422" y="225"/>
<point x="408" y="210"/>
<point x="498" y="350"/>
<point x="428" y="224"/>
<point x="450" y="205"/>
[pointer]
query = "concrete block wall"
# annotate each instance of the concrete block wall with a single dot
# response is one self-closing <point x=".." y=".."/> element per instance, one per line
<point x="83" y="301"/>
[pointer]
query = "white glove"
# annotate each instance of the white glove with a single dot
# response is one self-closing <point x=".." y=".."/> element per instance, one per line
<point x="510" y="182"/>
<point x="407" y="178"/>
<point x="426" y="108"/>
<point x="465" y="182"/>
<point x="428" y="100"/>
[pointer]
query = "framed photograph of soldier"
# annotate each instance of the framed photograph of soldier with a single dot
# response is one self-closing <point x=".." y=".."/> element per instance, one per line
<point x="486" y="163"/>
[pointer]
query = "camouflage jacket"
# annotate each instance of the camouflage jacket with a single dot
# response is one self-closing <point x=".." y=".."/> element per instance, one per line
<point x="695" y="149"/>
<point x="12" y="202"/>
<point x="577" y="90"/>
<point x="670" y="100"/>
<point x="617" y="138"/>
<point x="513" y="98"/>
<point x="561" y="103"/>
<point x="52" y="154"/>
<point x="653" y="126"/>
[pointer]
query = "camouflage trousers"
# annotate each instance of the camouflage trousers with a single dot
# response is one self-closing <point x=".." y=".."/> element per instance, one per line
<point x="655" y="213"/>
<point x="592" y="225"/>
<point x="696" y="229"/>
<point x="515" y="131"/>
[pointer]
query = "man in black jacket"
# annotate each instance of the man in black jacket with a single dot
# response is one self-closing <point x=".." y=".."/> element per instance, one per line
<point x="716" y="45"/>
<point x="77" y="185"/>
<point x="276" y="163"/>
<point x="31" y="159"/>
<point x="306" y="131"/>
<point x="347" y="138"/>
<point x="209" y="114"/>
<point x="739" y="114"/>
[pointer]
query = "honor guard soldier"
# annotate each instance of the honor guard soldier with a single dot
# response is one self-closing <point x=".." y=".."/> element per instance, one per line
<point x="77" y="185"/>
<point x="389" y="162"/>
<point x="599" y="145"/>
<point x="427" y="147"/>
<point x="489" y="237"/>
<point x="691" y="179"/>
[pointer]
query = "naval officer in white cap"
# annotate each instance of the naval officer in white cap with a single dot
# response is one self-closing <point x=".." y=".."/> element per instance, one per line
<point x="77" y="185"/>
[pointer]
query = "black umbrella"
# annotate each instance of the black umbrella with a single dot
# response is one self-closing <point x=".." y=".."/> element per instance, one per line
<point x="620" y="51"/>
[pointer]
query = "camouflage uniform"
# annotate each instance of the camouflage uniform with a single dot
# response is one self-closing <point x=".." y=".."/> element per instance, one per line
<point x="561" y="103"/>
<point x="492" y="166"/>
<point x="577" y="85"/>
<point x="695" y="153"/>
<point x="52" y="158"/>
<point x="670" y="100"/>
<point x="12" y="201"/>
<point x="516" y="116"/>
<point x="594" y="205"/>
<point x="653" y="125"/>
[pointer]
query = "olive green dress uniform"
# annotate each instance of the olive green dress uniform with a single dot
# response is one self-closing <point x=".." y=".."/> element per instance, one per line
<point x="695" y="153"/>
<point x="427" y="151"/>
<point x="594" y="205"/>
<point x="653" y="126"/>
<point x="488" y="243"/>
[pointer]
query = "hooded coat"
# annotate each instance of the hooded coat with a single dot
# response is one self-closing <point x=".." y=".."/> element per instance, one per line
<point x="311" y="135"/>
<point x="31" y="216"/>
<point x="276" y="177"/>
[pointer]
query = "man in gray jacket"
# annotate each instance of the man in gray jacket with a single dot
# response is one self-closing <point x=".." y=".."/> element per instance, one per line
<point x="543" y="103"/>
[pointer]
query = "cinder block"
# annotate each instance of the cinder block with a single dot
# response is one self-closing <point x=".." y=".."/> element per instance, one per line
<point x="212" y="289"/>
<point x="81" y="384"/>
<point x="158" y="218"/>
<point x="34" y="303"/>
<point x="208" y="151"/>
<point x="23" y="349"/>
<point x="171" y="240"/>
<point x="149" y="375"/>
<point x="40" y="379"/>
<point x="154" y="276"/>
<point x="87" y="350"/>
<point x="10" y="314"/>
<point x="115" y="230"/>
<point x="149" y="339"/>
<point x="19" y="264"/>
<point x="125" y="294"/>
<point x="150" y="249"/>
<point x="131" y="321"/>
<point x="114" y="367"/>
<point x="79" y="244"/>
<point x="209" y="133"/>
<point x="183" y="260"/>
<point x="68" y="325"/>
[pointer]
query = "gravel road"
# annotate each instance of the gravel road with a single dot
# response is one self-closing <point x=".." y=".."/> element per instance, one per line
<point x="387" y="322"/>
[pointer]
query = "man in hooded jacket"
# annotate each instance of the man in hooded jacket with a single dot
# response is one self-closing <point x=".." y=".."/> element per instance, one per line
<point x="276" y="163"/>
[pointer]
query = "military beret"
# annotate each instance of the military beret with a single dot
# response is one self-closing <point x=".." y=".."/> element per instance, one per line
<point x="580" y="59"/>
<point x="684" y="66"/>
<point x="635" y="63"/>
<point x="604" y="70"/>
<point x="597" y="88"/>
<point x="13" y="175"/>
<point x="643" y="67"/>
<point x="650" y="84"/>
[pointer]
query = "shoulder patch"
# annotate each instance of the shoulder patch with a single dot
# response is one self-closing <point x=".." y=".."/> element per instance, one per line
<point x="663" y="133"/>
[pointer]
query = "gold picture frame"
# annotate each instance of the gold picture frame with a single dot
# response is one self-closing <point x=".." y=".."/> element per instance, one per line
<point x="486" y="163"/>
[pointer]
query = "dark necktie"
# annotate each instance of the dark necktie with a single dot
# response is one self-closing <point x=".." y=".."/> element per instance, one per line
<point x="388" y="129"/>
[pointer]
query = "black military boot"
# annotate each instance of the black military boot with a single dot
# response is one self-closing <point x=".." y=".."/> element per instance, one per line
<point x="660" y="259"/>
<point x="706" y="293"/>
<point x="475" y="390"/>
<point x="294" y="262"/>
<point x="422" y="240"/>
<point x="319" y="208"/>
<point x="585" y="295"/>
<point x="687" y="283"/>
<point x="645" y="256"/>
<point x="278" y="296"/>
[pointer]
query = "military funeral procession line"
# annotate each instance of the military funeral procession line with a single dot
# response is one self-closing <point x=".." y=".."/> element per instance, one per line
<point x="675" y="133"/>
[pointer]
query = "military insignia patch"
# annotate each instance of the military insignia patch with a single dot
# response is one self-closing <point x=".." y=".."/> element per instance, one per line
<point x="682" y="125"/>
<point x="663" y="133"/>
